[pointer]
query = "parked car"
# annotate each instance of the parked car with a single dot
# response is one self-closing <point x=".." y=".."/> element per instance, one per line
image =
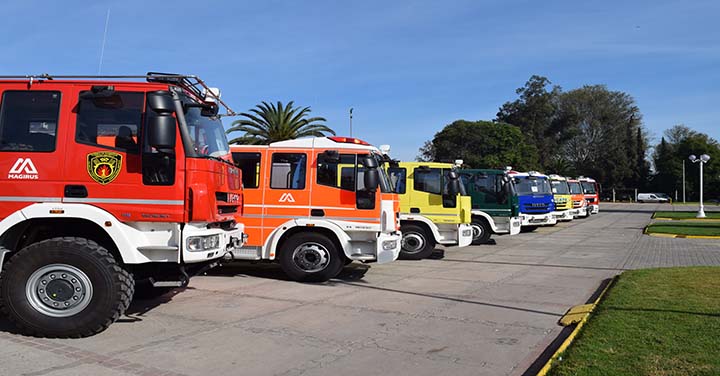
<point x="653" y="197"/>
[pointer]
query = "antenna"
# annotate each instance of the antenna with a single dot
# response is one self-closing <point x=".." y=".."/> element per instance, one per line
<point x="102" y="49"/>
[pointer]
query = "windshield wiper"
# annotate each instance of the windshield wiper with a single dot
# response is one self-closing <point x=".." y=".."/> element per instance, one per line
<point x="216" y="159"/>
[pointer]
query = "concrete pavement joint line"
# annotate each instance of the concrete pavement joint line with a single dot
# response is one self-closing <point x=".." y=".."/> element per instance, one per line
<point x="88" y="357"/>
<point x="450" y="298"/>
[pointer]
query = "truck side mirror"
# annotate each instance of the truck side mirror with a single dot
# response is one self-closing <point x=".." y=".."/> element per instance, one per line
<point x="160" y="101"/>
<point x="162" y="126"/>
<point x="453" y="183"/>
<point x="371" y="179"/>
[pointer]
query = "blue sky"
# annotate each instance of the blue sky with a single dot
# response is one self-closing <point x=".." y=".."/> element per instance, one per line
<point x="408" y="68"/>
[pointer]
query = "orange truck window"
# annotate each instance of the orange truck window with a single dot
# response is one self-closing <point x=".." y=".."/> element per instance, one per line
<point x="288" y="171"/>
<point x="249" y="163"/>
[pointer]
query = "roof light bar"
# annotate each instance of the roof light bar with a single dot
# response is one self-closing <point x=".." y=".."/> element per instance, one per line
<point x="348" y="140"/>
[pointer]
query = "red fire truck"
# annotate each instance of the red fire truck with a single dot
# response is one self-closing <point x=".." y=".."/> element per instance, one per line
<point x="105" y="181"/>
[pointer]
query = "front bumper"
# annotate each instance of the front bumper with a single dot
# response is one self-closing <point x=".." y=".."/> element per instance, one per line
<point x="563" y="215"/>
<point x="537" y="219"/>
<point x="507" y="225"/>
<point x="388" y="247"/>
<point x="594" y="208"/>
<point x="464" y="235"/>
<point x="230" y="241"/>
<point x="579" y="212"/>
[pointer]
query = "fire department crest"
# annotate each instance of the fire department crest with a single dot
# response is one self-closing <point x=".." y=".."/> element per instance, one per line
<point x="104" y="166"/>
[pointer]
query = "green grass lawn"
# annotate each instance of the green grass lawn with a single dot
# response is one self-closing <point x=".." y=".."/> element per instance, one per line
<point x="652" y="322"/>
<point x="685" y="228"/>
<point x="684" y="214"/>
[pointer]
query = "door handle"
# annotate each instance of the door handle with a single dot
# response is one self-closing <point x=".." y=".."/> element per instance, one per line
<point x="76" y="191"/>
<point x="317" y="212"/>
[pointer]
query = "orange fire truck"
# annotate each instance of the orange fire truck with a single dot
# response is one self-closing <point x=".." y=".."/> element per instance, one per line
<point x="315" y="204"/>
<point x="105" y="181"/>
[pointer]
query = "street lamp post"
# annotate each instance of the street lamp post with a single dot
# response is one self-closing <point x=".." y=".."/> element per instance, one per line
<point x="351" y="110"/>
<point x="702" y="160"/>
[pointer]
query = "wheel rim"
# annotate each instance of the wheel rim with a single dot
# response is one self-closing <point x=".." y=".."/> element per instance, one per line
<point x="311" y="257"/>
<point x="477" y="231"/>
<point x="59" y="290"/>
<point x="413" y="242"/>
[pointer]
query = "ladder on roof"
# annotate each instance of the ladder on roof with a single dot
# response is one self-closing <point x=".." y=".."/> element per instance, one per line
<point x="191" y="83"/>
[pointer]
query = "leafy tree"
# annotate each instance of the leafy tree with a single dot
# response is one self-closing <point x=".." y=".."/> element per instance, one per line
<point x="535" y="112"/>
<point x="481" y="144"/>
<point x="604" y="137"/>
<point x="669" y="156"/>
<point x="269" y="123"/>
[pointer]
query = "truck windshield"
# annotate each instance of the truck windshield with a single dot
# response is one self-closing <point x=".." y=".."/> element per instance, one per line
<point x="560" y="187"/>
<point x="528" y="185"/>
<point x="589" y="188"/>
<point x="207" y="134"/>
<point x="575" y="188"/>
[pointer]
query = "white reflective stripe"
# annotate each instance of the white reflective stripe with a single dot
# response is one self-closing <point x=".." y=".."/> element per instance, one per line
<point x="297" y="207"/>
<point x="30" y="199"/>
<point x="123" y="201"/>
<point x="309" y="217"/>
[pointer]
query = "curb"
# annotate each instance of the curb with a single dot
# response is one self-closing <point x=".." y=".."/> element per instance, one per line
<point x="687" y="219"/>
<point x="678" y="236"/>
<point x="578" y="316"/>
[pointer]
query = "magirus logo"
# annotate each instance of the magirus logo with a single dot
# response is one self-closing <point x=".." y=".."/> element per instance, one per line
<point x="23" y="169"/>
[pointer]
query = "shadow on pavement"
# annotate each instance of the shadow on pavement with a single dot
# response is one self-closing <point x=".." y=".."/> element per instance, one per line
<point x="532" y="264"/>
<point x="641" y="310"/>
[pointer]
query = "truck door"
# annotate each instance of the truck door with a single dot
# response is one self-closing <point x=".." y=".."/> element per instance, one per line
<point x="32" y="125"/>
<point x="110" y="164"/>
<point x="253" y="177"/>
<point x="286" y="192"/>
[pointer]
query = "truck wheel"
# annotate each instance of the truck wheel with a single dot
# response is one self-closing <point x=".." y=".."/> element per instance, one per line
<point x="64" y="287"/>
<point x="310" y="257"/>
<point x="417" y="244"/>
<point x="480" y="231"/>
<point x="528" y="228"/>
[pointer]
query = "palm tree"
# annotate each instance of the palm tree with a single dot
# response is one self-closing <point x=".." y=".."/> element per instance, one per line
<point x="268" y="123"/>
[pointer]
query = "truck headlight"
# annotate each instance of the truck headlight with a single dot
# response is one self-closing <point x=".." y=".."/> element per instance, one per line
<point x="389" y="245"/>
<point x="203" y="243"/>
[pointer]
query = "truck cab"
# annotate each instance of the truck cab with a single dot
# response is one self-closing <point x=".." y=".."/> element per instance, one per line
<point x="580" y="206"/>
<point x="591" y="190"/>
<point x="433" y="208"/>
<point x="535" y="198"/>
<point x="316" y="204"/>
<point x="563" y="199"/>
<point x="110" y="185"/>
<point x="495" y="205"/>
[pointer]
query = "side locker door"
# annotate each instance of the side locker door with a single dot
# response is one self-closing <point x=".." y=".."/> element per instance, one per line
<point x="287" y="189"/>
<point x="32" y="128"/>
<point x="112" y="168"/>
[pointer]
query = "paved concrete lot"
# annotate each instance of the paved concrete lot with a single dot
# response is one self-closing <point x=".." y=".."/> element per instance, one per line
<point x="485" y="310"/>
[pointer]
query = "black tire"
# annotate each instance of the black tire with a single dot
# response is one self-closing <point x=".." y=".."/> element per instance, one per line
<point x="481" y="231"/>
<point x="528" y="228"/>
<point x="417" y="244"/>
<point x="302" y="255"/>
<point x="64" y="263"/>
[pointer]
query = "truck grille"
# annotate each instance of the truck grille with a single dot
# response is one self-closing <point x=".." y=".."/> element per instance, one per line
<point x="536" y="207"/>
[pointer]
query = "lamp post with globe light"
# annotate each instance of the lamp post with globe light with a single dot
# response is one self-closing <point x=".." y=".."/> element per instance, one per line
<point x="702" y="160"/>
